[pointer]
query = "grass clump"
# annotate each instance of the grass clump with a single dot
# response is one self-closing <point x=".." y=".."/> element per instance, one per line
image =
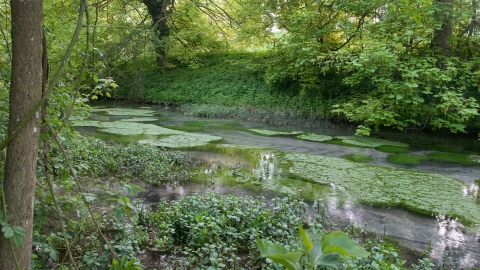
<point x="358" y="158"/>
<point x="393" y="149"/>
<point x="406" y="159"/>
<point x="455" y="158"/>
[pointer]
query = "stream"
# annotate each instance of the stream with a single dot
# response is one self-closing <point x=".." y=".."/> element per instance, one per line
<point x="444" y="235"/>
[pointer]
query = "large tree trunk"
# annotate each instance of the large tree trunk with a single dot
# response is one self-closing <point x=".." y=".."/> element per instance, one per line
<point x="158" y="11"/>
<point x="444" y="15"/>
<point x="25" y="92"/>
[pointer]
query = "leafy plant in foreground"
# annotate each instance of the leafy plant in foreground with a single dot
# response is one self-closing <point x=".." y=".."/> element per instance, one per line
<point x="326" y="253"/>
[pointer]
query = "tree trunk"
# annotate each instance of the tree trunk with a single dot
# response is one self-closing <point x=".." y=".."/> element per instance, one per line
<point x="442" y="34"/>
<point x="158" y="11"/>
<point x="25" y="92"/>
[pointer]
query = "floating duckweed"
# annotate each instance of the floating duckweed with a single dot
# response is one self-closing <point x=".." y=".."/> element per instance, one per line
<point x="369" y="142"/>
<point x="406" y="159"/>
<point x="267" y="132"/>
<point x="455" y="158"/>
<point x="358" y="158"/>
<point x="123" y="111"/>
<point x="393" y="149"/>
<point x="314" y="137"/>
<point x="420" y="192"/>
<point x="184" y="140"/>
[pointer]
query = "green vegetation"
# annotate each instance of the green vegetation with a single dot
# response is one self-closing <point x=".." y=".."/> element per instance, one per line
<point x="401" y="65"/>
<point x="368" y="142"/>
<point x="406" y="159"/>
<point x="454" y="158"/>
<point x="381" y="186"/>
<point x="358" y="158"/>
<point x="314" y="137"/>
<point x="327" y="253"/>
<point x="413" y="159"/>
<point x="393" y="149"/>
<point x="266" y="132"/>
<point x="202" y="125"/>
<point x="148" y="133"/>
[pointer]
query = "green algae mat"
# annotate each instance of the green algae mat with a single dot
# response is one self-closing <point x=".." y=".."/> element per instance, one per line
<point x="311" y="176"/>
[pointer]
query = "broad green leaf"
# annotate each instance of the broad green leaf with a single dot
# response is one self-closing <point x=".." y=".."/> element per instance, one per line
<point x="340" y="242"/>
<point x="316" y="254"/>
<point x="19" y="230"/>
<point x="18" y="239"/>
<point x="7" y="231"/>
<point x="331" y="259"/>
<point x="280" y="254"/>
<point x="306" y="240"/>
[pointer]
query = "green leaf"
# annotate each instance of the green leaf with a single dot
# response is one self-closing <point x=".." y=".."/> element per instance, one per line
<point x="19" y="230"/>
<point x="18" y="239"/>
<point x="339" y="242"/>
<point x="7" y="231"/>
<point x="306" y="240"/>
<point x="331" y="259"/>
<point x="89" y="197"/>
<point x="280" y="254"/>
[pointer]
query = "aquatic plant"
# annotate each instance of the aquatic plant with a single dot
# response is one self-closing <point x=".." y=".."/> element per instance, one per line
<point x="455" y="158"/>
<point x="406" y="159"/>
<point x="266" y="132"/>
<point x="140" y="119"/>
<point x="184" y="140"/>
<point x="393" y="149"/>
<point x="85" y="123"/>
<point x="124" y="111"/>
<point x="358" y="158"/>
<point x="420" y="192"/>
<point x="314" y="137"/>
<point x="368" y="142"/>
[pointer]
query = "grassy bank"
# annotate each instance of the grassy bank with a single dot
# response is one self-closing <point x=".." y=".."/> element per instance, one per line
<point x="236" y="80"/>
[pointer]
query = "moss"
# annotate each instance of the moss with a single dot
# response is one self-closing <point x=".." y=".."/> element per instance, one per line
<point x="455" y="158"/>
<point x="393" y="149"/>
<point x="314" y="137"/>
<point x="358" y="158"/>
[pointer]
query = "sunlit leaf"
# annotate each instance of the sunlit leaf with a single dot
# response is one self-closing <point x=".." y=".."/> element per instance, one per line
<point x="341" y="243"/>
